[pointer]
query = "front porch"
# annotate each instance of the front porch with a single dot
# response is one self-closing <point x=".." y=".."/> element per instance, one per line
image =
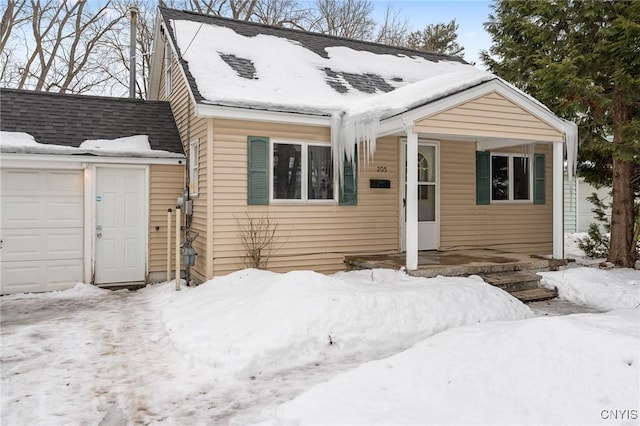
<point x="456" y="262"/>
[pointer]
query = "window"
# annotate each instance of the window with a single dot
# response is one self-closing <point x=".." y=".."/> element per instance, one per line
<point x="297" y="171"/>
<point x="301" y="171"/>
<point x="167" y="69"/>
<point x="194" y="158"/>
<point x="510" y="177"/>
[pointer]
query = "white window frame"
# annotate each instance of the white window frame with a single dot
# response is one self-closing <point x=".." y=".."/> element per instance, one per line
<point x="168" y="72"/>
<point x="304" y="190"/>
<point x="194" y="160"/>
<point x="511" y="177"/>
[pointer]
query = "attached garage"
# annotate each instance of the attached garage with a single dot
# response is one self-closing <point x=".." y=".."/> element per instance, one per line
<point x="41" y="224"/>
<point x="85" y="185"/>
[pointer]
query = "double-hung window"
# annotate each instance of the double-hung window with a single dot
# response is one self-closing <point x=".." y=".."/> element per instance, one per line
<point x="514" y="178"/>
<point x="510" y="177"/>
<point x="301" y="171"/>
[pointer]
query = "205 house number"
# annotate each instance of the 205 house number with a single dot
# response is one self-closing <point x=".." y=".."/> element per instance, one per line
<point x="382" y="169"/>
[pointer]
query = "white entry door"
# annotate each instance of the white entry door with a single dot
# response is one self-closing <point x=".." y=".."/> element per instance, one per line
<point x="121" y="225"/>
<point x="427" y="192"/>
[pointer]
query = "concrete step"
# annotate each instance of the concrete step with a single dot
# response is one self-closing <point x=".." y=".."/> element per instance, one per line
<point x="534" y="294"/>
<point x="513" y="281"/>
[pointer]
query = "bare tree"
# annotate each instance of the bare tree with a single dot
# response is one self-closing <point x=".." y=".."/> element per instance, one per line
<point x="61" y="48"/>
<point x="393" y="30"/>
<point x="437" y="38"/>
<point x="343" y="18"/>
<point x="116" y="45"/>
<point x="280" y="13"/>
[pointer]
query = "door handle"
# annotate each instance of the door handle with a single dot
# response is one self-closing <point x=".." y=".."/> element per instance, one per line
<point x="99" y="235"/>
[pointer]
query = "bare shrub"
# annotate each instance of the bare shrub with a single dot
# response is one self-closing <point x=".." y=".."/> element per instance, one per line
<point x="257" y="234"/>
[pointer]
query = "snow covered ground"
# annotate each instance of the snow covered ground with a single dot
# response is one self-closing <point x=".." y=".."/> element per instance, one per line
<point x="365" y="347"/>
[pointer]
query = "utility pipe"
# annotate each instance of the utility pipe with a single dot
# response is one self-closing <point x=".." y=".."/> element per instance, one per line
<point x="169" y="245"/>
<point x="132" y="51"/>
<point x="177" y="248"/>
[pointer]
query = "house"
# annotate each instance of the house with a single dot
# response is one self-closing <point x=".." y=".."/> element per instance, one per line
<point x="85" y="187"/>
<point x="313" y="132"/>
<point x="578" y="209"/>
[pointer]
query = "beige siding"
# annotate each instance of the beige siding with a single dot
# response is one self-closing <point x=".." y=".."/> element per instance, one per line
<point x="191" y="128"/>
<point x="166" y="183"/>
<point x="523" y="228"/>
<point x="309" y="236"/>
<point x="491" y="115"/>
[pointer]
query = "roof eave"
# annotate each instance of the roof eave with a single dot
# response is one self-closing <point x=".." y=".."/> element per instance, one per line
<point x="252" y="114"/>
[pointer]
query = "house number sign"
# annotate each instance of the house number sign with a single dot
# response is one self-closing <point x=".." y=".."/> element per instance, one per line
<point x="381" y="169"/>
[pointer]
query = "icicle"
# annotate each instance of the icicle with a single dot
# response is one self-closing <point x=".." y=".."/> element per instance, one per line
<point x="571" y="146"/>
<point x="351" y="134"/>
<point x="529" y="151"/>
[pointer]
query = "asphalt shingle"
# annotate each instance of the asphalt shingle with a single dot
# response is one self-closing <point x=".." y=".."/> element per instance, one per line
<point x="69" y="120"/>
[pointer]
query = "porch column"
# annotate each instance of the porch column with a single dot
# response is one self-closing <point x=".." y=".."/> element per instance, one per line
<point x="411" y="228"/>
<point x="558" y="206"/>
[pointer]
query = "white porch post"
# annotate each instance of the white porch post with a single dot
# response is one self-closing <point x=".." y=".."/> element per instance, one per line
<point x="558" y="206"/>
<point x="411" y="228"/>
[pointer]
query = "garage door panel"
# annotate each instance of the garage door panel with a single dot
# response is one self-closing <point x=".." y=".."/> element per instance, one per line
<point x="42" y="244"/>
<point x="42" y="227"/>
<point x="62" y="182"/>
<point x="20" y="212"/>
<point x="26" y="277"/>
<point x="41" y="212"/>
<point x="19" y="182"/>
<point x="65" y="212"/>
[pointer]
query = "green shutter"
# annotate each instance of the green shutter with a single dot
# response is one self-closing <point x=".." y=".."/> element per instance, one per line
<point x="349" y="184"/>
<point x="483" y="177"/>
<point x="539" y="185"/>
<point x="258" y="170"/>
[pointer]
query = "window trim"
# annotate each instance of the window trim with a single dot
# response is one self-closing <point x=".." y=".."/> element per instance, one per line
<point x="194" y="167"/>
<point x="304" y="190"/>
<point x="511" y="199"/>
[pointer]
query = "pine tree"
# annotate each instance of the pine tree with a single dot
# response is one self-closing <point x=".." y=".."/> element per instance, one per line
<point x="581" y="59"/>
<point x="437" y="38"/>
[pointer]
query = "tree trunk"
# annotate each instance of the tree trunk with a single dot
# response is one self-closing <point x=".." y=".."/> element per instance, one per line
<point x="621" y="247"/>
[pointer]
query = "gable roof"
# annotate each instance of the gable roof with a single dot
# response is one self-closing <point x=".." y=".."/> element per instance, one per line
<point x="246" y="65"/>
<point x="69" y="120"/>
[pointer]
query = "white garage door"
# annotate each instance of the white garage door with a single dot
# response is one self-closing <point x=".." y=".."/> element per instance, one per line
<point x="41" y="227"/>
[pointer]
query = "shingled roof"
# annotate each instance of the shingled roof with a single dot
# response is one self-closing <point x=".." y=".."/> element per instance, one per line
<point x="69" y="120"/>
<point x="243" y="64"/>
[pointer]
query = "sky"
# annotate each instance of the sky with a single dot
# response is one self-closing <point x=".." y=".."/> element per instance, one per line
<point x="469" y="14"/>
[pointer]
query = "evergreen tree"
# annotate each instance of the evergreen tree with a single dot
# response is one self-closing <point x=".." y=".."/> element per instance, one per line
<point x="582" y="59"/>
<point x="437" y="38"/>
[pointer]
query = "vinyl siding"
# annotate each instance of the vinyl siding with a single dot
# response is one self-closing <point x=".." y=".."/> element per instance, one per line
<point x="191" y="128"/>
<point x="491" y="115"/>
<point x="521" y="228"/>
<point x="166" y="183"/>
<point x="570" y="201"/>
<point x="311" y="235"/>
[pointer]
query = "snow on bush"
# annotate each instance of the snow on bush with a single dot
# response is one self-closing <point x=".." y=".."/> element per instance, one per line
<point x="255" y="321"/>
<point x="556" y="370"/>
<point x="608" y="289"/>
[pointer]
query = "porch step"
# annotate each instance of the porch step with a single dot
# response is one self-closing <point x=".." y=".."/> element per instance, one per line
<point x="524" y="286"/>
<point x="513" y="281"/>
<point x="535" y="294"/>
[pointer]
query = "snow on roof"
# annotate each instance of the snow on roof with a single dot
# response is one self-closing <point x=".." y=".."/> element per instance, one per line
<point x="130" y="146"/>
<point x="276" y="73"/>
